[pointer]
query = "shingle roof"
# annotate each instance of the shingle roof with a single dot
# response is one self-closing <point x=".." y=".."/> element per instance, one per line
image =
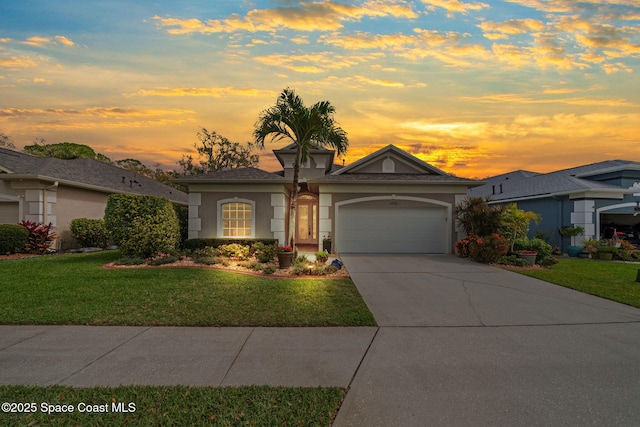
<point x="394" y="177"/>
<point x="237" y="175"/>
<point x="85" y="173"/>
<point x="523" y="184"/>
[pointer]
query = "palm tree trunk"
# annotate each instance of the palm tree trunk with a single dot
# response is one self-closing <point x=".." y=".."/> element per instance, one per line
<point x="293" y="204"/>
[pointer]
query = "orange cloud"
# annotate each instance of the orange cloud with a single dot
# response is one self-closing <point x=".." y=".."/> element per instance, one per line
<point x="213" y="92"/>
<point x="503" y="30"/>
<point x="39" y="41"/>
<point x="454" y="6"/>
<point x="11" y="62"/>
<point x="313" y="62"/>
<point x="309" y="16"/>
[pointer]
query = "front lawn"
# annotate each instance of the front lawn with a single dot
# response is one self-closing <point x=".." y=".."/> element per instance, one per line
<point x="612" y="280"/>
<point x="176" y="406"/>
<point x="75" y="289"/>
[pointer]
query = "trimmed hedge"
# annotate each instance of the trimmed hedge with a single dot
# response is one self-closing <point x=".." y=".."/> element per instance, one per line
<point x="201" y="243"/>
<point x="90" y="232"/>
<point x="13" y="237"/>
<point x="142" y="226"/>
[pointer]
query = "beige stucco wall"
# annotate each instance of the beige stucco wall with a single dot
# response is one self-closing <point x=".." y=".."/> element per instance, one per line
<point x="207" y="209"/>
<point x="76" y="203"/>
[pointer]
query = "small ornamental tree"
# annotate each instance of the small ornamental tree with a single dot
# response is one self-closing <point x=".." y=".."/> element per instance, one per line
<point x="142" y="226"/>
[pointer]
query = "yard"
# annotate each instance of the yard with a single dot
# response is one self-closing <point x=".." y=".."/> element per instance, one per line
<point x="606" y="279"/>
<point x="75" y="289"/>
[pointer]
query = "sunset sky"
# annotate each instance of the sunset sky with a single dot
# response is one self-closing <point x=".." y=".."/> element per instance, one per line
<point x="476" y="88"/>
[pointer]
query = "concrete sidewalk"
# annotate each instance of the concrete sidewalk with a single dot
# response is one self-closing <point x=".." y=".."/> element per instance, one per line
<point x="86" y="356"/>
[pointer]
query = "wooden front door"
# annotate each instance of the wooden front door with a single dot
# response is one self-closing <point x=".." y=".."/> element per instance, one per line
<point x="307" y="221"/>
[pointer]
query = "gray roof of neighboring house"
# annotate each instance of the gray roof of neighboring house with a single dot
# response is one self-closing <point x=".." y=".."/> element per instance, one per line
<point x="85" y="173"/>
<point x="525" y="184"/>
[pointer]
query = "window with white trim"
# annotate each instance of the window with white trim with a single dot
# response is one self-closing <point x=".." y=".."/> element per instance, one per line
<point x="237" y="219"/>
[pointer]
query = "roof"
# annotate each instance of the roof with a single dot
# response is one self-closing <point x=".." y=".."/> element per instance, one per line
<point x="240" y="175"/>
<point x="84" y="173"/>
<point x="420" y="166"/>
<point x="524" y="184"/>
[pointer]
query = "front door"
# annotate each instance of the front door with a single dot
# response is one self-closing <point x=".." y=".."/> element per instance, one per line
<point x="307" y="221"/>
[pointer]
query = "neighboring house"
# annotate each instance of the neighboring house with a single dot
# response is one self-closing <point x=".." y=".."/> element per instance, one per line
<point x="602" y="198"/>
<point x="50" y="190"/>
<point x="389" y="201"/>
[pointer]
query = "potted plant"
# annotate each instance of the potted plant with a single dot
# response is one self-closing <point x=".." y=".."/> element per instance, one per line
<point x="590" y="247"/>
<point x="322" y="257"/>
<point x="606" y="252"/>
<point x="285" y="256"/>
<point x="527" y="255"/>
<point x="326" y="243"/>
<point x="572" y="232"/>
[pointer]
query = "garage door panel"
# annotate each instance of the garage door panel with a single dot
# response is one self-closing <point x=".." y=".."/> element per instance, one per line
<point x="391" y="230"/>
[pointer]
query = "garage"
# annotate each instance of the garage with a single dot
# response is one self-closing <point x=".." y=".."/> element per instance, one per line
<point x="391" y="229"/>
<point x="9" y="212"/>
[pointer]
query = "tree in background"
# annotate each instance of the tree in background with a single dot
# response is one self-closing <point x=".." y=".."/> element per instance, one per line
<point x="6" y="141"/>
<point x="478" y="218"/>
<point x="65" y="151"/>
<point x="307" y="127"/>
<point x="216" y="153"/>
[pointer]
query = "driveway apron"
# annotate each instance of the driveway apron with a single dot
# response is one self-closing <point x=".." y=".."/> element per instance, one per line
<point x="462" y="343"/>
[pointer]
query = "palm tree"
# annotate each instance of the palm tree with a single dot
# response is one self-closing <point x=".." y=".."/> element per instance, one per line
<point x="307" y="127"/>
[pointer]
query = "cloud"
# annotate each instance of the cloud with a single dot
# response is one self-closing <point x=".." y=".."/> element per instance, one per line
<point x="318" y="62"/>
<point x="523" y="99"/>
<point x="454" y="6"/>
<point x="39" y="41"/>
<point x="503" y="30"/>
<point x="12" y="62"/>
<point x="213" y="92"/>
<point x="307" y="16"/>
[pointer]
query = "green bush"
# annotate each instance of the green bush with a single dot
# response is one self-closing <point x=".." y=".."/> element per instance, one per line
<point x="263" y="252"/>
<point x="200" y="243"/>
<point x="270" y="269"/>
<point x="543" y="248"/>
<point x="234" y="250"/>
<point x="142" y="226"/>
<point x="13" y="237"/>
<point x="90" y="232"/>
<point x="183" y="220"/>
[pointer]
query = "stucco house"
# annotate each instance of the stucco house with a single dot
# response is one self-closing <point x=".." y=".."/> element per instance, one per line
<point x="50" y="190"/>
<point x="386" y="202"/>
<point x="602" y="197"/>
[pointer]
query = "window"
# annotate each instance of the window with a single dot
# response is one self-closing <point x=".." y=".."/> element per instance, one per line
<point x="237" y="219"/>
<point x="388" y="166"/>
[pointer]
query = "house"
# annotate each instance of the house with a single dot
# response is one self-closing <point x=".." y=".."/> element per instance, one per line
<point x="388" y="201"/>
<point x="50" y="190"/>
<point x="603" y="198"/>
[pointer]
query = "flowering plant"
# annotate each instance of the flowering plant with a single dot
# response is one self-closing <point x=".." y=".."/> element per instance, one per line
<point x="283" y="248"/>
<point x="488" y="249"/>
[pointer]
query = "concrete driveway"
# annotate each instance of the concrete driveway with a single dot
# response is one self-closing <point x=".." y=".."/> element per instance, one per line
<point x="462" y="343"/>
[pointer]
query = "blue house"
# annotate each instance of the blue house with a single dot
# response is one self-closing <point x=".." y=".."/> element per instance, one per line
<point x="603" y="198"/>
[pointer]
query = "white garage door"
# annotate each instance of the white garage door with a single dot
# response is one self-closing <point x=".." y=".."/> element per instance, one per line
<point x="391" y="230"/>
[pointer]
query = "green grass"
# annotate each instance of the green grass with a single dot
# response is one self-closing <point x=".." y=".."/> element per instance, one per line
<point x="611" y="280"/>
<point x="75" y="289"/>
<point x="176" y="406"/>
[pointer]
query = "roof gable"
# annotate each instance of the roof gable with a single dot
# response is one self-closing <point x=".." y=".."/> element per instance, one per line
<point x="391" y="160"/>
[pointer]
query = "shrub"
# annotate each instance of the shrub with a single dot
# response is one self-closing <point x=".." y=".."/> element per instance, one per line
<point x="90" y="232"/>
<point x="13" y="237"/>
<point x="512" y="260"/>
<point x="462" y="246"/>
<point x="142" y="225"/>
<point x="40" y="237"/>
<point x="322" y="257"/>
<point x="162" y="258"/>
<point x="270" y="269"/>
<point x="199" y="243"/>
<point x="264" y="253"/>
<point x="488" y="249"/>
<point x="182" y="212"/>
<point x="234" y="250"/>
<point x="205" y="260"/>
<point x="543" y="248"/>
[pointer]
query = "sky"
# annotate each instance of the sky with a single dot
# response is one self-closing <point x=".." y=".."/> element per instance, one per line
<point x="475" y="88"/>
